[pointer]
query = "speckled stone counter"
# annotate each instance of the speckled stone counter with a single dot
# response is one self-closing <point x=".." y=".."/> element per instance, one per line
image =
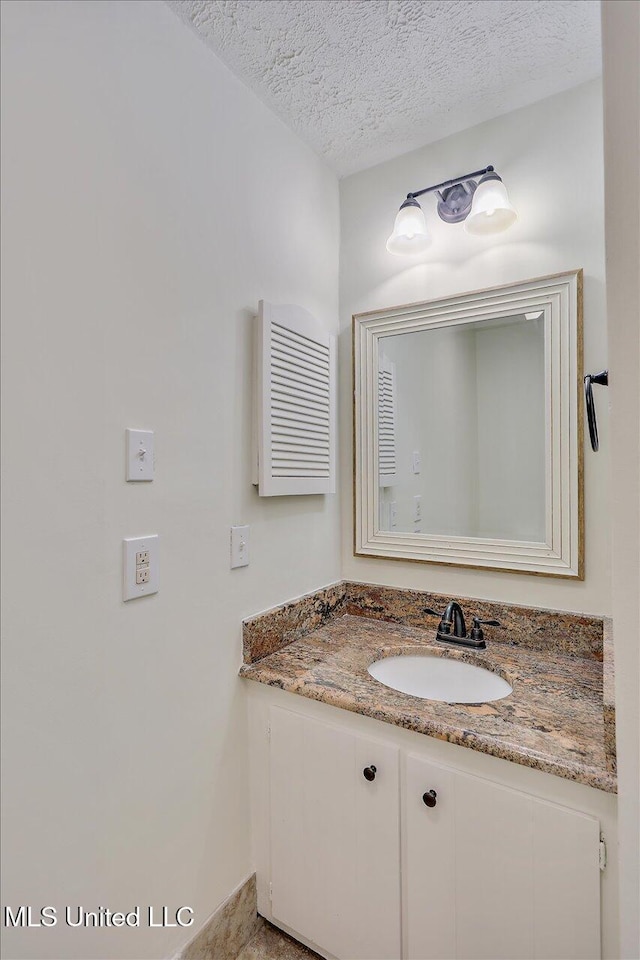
<point x="608" y="696"/>
<point x="553" y="721"/>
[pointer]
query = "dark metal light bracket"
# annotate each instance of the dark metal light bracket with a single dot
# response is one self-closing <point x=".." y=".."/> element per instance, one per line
<point x="454" y="204"/>
<point x="455" y="196"/>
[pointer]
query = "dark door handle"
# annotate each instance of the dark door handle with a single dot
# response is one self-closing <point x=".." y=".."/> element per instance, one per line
<point x="603" y="380"/>
<point x="369" y="773"/>
<point x="430" y="798"/>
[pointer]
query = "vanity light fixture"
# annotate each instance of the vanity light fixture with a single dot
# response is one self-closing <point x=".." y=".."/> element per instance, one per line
<point x="482" y="203"/>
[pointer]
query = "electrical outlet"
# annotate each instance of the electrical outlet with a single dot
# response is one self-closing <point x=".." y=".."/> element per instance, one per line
<point x="140" y="567"/>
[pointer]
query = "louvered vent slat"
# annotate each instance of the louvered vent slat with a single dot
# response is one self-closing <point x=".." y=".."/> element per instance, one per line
<point x="311" y="377"/>
<point x="289" y="336"/>
<point x="297" y="394"/>
<point x="386" y="423"/>
<point x="287" y="375"/>
<point x="297" y="413"/>
<point x="308" y="398"/>
<point x="295" y="428"/>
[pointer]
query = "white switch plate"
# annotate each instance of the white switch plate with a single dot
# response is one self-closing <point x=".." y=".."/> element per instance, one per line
<point x="239" y="547"/>
<point x="393" y="513"/>
<point x="140" y="566"/>
<point x="416" y="461"/>
<point x="139" y="454"/>
<point x="417" y="508"/>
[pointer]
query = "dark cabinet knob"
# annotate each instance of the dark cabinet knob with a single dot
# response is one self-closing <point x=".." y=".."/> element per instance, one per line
<point x="369" y="773"/>
<point x="430" y="798"/>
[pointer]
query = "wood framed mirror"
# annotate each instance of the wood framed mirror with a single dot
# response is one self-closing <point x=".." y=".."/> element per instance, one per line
<point x="468" y="435"/>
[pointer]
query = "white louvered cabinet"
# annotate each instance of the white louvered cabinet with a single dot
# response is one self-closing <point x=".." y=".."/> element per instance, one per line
<point x="296" y="403"/>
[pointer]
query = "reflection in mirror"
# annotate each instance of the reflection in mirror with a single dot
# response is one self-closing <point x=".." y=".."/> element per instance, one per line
<point x="461" y="436"/>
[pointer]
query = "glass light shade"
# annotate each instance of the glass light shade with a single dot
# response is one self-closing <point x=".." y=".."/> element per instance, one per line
<point x="409" y="235"/>
<point x="491" y="211"/>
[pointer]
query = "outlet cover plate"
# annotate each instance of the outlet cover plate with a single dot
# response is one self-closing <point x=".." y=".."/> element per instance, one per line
<point x="140" y="553"/>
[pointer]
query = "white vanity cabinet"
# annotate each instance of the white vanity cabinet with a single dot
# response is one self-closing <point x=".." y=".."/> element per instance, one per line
<point x="490" y="872"/>
<point x="506" y="864"/>
<point x="334" y="831"/>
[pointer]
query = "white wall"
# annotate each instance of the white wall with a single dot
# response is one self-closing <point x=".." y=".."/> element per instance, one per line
<point x="621" y="76"/>
<point x="510" y="466"/>
<point x="550" y="155"/>
<point x="150" y="200"/>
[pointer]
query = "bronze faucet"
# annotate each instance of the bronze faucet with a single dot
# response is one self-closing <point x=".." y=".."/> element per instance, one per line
<point x="454" y="617"/>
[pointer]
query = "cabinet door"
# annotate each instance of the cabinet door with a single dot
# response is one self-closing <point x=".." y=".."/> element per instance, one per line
<point x="493" y="873"/>
<point x="335" y="865"/>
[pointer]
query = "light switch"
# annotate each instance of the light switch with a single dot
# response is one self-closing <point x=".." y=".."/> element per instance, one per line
<point x="139" y="454"/>
<point x="393" y="513"/>
<point x="140" y="565"/>
<point x="416" y="461"/>
<point x="239" y="547"/>
<point x="417" y="508"/>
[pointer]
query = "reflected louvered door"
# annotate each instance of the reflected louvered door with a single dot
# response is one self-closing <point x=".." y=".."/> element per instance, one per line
<point x="296" y="394"/>
<point x="386" y="422"/>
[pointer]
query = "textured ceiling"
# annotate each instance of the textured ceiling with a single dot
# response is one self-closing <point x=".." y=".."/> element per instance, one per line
<point x="366" y="80"/>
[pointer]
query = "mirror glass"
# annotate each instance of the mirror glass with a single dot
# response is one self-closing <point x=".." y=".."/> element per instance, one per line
<point x="468" y="429"/>
<point x="464" y="408"/>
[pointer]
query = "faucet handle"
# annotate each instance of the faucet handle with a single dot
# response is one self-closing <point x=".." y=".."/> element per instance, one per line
<point x="445" y="625"/>
<point x="476" y="630"/>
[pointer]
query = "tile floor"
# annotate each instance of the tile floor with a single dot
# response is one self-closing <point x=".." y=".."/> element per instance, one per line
<point x="269" y="943"/>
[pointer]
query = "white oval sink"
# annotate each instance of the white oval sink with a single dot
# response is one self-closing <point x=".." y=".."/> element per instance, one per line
<point x="439" y="678"/>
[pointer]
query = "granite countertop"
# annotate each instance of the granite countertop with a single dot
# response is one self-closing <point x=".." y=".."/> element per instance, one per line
<point x="553" y="721"/>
